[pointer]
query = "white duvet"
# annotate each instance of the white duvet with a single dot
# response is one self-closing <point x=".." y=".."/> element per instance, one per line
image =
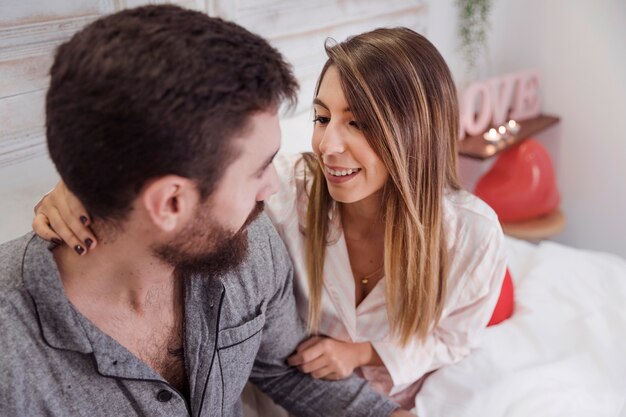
<point x="563" y="353"/>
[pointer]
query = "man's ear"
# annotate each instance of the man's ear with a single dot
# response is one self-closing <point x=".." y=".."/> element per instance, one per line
<point x="170" y="201"/>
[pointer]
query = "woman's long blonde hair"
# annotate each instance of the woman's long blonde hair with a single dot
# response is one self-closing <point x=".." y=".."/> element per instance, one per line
<point x="400" y="90"/>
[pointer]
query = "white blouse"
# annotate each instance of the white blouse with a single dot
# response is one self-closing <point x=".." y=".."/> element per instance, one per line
<point x="476" y="270"/>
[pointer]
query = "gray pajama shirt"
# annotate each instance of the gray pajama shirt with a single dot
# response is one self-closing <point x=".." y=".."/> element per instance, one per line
<point x="55" y="362"/>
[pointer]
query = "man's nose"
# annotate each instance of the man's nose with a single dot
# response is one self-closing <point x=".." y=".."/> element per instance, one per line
<point x="272" y="185"/>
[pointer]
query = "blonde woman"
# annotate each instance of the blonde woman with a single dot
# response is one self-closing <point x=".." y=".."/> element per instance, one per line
<point x="398" y="270"/>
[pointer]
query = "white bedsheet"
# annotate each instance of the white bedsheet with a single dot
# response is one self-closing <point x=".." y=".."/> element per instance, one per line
<point x="563" y="353"/>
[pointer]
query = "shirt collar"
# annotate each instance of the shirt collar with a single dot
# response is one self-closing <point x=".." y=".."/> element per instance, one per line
<point x="60" y="327"/>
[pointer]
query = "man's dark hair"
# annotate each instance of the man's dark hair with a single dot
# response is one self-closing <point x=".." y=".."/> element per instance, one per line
<point x="153" y="91"/>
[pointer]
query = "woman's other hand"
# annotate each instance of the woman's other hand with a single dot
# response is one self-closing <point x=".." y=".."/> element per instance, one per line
<point x="330" y="359"/>
<point x="60" y="217"/>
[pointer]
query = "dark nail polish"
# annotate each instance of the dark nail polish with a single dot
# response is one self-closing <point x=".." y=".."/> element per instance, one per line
<point x="56" y="241"/>
<point x="83" y="219"/>
<point x="88" y="243"/>
<point x="79" y="249"/>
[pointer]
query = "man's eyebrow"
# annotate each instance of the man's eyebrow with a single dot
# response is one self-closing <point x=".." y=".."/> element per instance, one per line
<point x="268" y="161"/>
<point x="321" y="103"/>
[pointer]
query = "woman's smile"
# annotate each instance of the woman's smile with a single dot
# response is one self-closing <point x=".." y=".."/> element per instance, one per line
<point x="338" y="175"/>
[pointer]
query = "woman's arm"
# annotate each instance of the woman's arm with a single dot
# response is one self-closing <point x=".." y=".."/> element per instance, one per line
<point x="461" y="328"/>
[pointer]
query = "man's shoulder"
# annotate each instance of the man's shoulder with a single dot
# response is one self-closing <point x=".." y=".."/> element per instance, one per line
<point x="17" y="312"/>
<point x="265" y="244"/>
<point x="12" y="255"/>
<point x="264" y="272"/>
<point x="16" y="305"/>
<point x="262" y="228"/>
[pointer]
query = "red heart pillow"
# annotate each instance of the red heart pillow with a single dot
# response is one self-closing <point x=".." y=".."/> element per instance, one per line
<point x="506" y="301"/>
<point x="521" y="184"/>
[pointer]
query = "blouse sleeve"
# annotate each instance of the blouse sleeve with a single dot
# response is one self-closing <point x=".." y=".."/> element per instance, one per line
<point x="468" y="310"/>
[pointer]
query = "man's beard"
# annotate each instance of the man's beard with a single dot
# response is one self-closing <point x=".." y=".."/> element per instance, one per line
<point x="206" y="248"/>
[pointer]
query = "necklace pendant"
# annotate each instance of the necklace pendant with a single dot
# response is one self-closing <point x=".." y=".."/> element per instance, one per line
<point x="364" y="281"/>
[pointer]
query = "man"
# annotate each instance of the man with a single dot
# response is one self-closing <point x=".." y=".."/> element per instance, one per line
<point x="163" y="122"/>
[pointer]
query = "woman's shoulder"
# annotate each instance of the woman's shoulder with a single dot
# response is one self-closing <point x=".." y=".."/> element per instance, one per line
<point x="292" y="171"/>
<point x="475" y="243"/>
<point x="462" y="206"/>
<point x="469" y="220"/>
<point x="465" y="204"/>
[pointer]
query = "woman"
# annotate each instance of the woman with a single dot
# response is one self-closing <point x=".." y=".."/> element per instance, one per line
<point x="397" y="269"/>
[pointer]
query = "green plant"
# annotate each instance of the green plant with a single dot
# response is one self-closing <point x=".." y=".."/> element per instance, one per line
<point x="473" y="27"/>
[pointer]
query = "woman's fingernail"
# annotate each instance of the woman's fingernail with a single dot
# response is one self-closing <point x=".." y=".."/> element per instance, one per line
<point x="88" y="243"/>
<point x="83" y="219"/>
<point x="79" y="249"/>
<point x="56" y="241"/>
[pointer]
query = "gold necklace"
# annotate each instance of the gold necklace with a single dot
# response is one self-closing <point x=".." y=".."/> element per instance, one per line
<point x="365" y="279"/>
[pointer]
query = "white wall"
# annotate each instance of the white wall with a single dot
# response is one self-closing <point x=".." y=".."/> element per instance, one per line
<point x="580" y="48"/>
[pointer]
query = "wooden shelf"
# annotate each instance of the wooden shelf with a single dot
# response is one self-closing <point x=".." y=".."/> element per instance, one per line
<point x="536" y="229"/>
<point x="478" y="148"/>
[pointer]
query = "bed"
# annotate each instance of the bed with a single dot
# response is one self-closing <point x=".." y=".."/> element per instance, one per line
<point x="563" y="353"/>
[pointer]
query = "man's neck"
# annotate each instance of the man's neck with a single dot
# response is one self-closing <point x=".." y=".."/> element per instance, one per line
<point x="115" y="275"/>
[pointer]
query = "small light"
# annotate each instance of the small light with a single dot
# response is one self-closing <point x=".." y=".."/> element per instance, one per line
<point x="492" y="135"/>
<point x="513" y="126"/>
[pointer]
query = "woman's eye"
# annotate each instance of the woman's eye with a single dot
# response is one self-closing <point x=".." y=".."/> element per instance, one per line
<point x="354" y="123"/>
<point x="321" y="120"/>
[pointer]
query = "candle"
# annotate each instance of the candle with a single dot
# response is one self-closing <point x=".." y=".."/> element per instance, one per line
<point x="492" y="135"/>
<point x="513" y="126"/>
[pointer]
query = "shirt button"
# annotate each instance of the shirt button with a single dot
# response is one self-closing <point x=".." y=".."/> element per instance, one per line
<point x="164" y="396"/>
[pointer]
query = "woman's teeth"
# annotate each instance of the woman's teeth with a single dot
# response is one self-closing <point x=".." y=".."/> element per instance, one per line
<point x="343" y="172"/>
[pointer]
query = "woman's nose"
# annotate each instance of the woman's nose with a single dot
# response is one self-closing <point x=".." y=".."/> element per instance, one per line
<point x="332" y="141"/>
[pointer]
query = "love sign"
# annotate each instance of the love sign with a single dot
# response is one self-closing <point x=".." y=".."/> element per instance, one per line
<point x="494" y="101"/>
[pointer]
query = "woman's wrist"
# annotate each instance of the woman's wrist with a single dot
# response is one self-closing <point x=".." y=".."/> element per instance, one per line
<point x="366" y="354"/>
